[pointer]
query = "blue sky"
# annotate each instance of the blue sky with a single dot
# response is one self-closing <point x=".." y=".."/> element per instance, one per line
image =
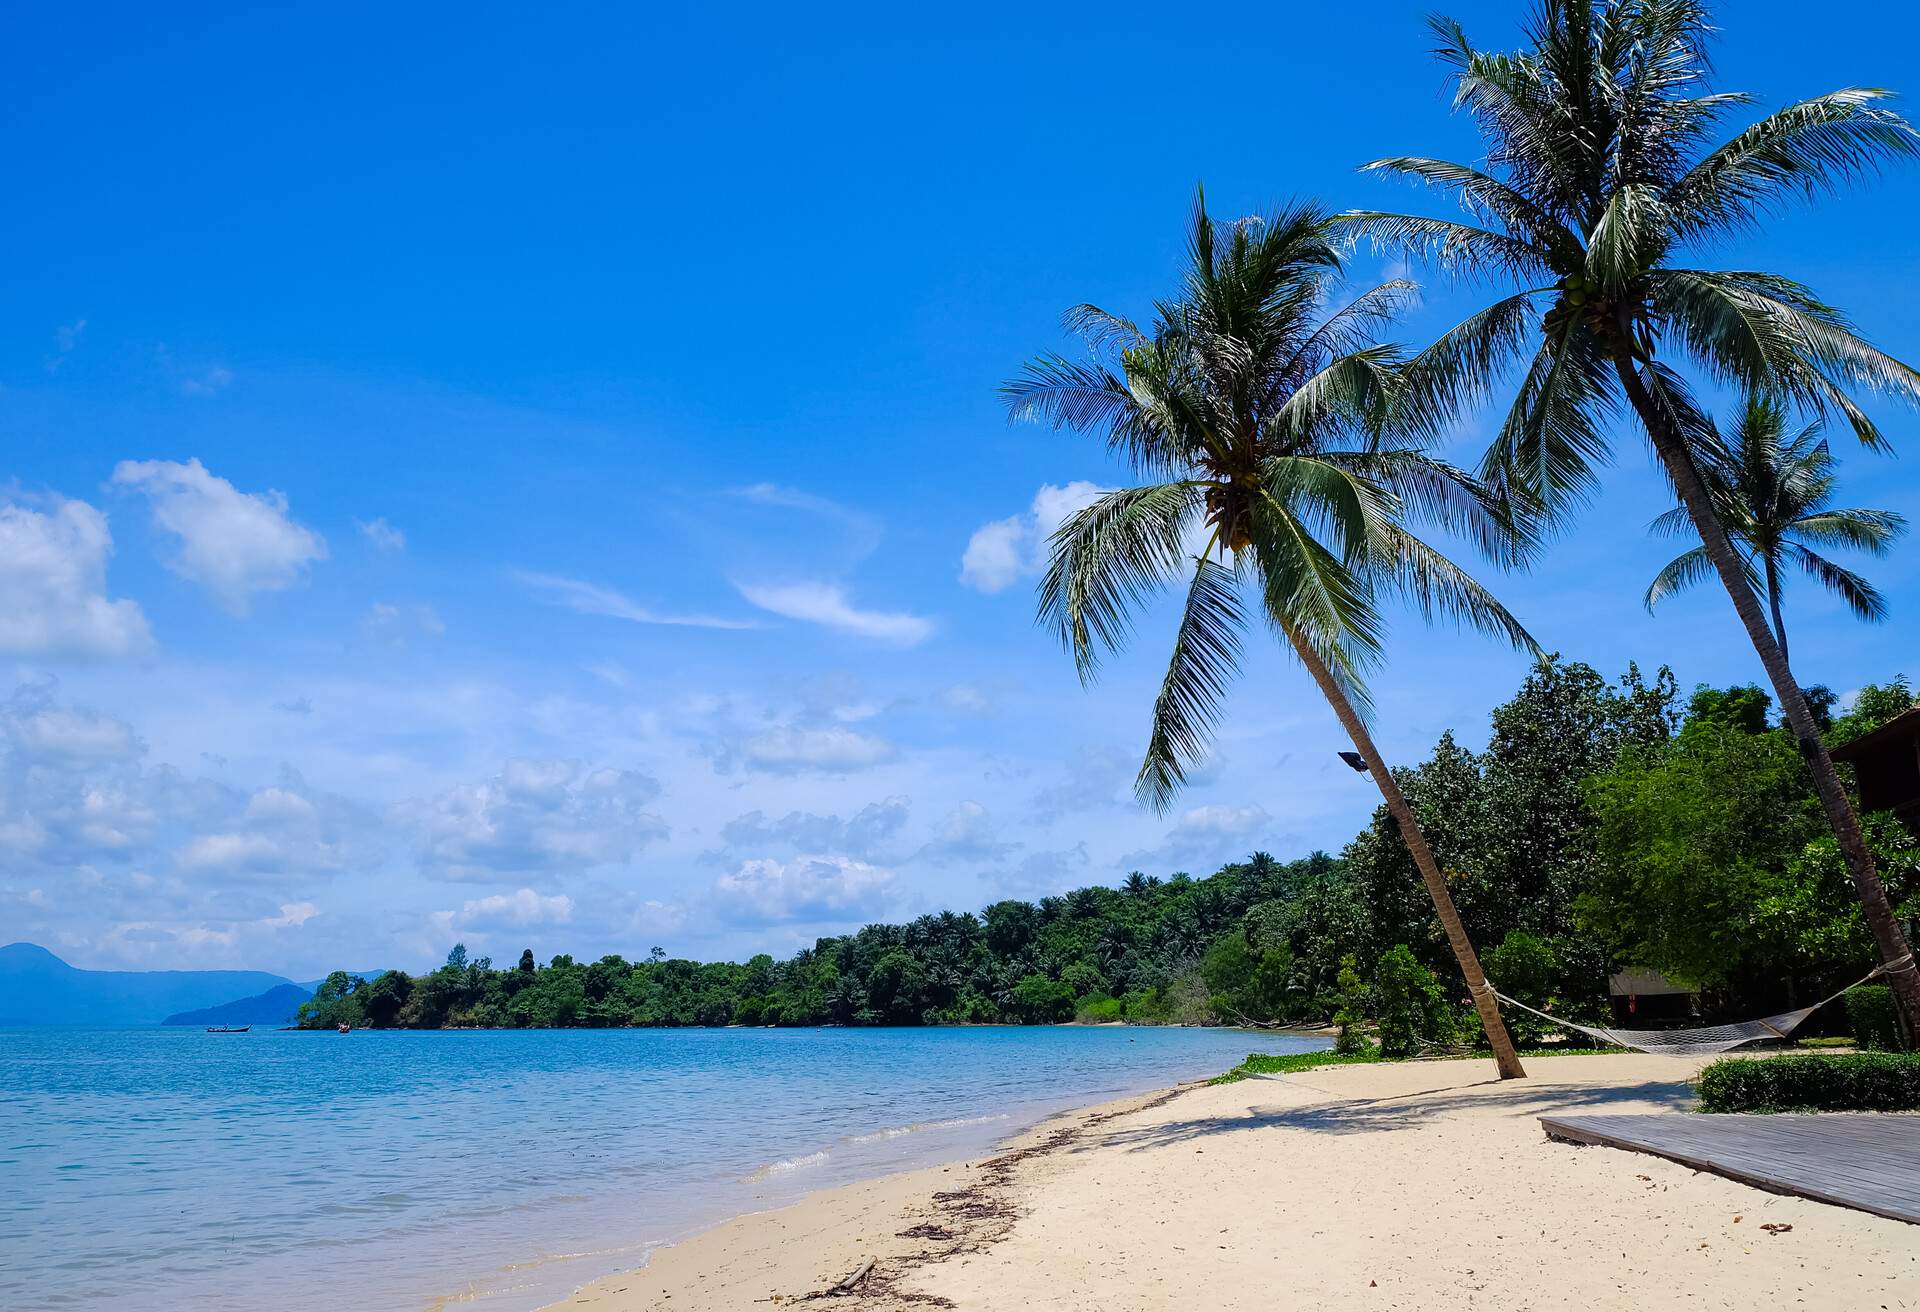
<point x="509" y="474"/>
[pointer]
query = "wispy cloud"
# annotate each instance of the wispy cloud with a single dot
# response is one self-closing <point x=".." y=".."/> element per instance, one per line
<point x="384" y="536"/>
<point x="592" y="599"/>
<point x="1001" y="553"/>
<point x="826" y="604"/>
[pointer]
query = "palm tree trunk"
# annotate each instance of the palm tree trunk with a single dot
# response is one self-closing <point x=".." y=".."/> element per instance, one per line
<point x="1773" y="605"/>
<point x="1504" y="1056"/>
<point x="1896" y="955"/>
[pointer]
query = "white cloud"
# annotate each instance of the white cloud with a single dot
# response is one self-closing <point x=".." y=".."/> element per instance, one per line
<point x="231" y="542"/>
<point x="53" y="582"/>
<point x="292" y="915"/>
<point x="534" y="817"/>
<point x="383" y="536"/>
<point x="1001" y="553"/>
<point x="967" y="834"/>
<point x="210" y="381"/>
<point x="69" y="736"/>
<point x="523" y="909"/>
<point x="833" y="750"/>
<point x="1203" y="837"/>
<point x="1224" y="821"/>
<point x="592" y="599"/>
<point x="395" y="626"/>
<point x="967" y="698"/>
<point x="806" y="888"/>
<point x="251" y="853"/>
<point x="826" y="604"/>
<point x="865" y="836"/>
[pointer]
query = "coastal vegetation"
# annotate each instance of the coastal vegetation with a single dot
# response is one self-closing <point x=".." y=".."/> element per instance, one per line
<point x="1605" y="183"/>
<point x="1837" y="1082"/>
<point x="1572" y="845"/>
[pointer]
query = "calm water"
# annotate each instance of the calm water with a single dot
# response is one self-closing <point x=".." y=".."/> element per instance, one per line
<point x="175" y="1169"/>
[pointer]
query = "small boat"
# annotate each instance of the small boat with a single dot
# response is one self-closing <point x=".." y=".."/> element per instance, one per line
<point x="345" y="1028"/>
<point x="228" y="1029"/>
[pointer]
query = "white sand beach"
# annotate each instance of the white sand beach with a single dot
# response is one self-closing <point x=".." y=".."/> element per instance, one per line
<point x="1422" y="1185"/>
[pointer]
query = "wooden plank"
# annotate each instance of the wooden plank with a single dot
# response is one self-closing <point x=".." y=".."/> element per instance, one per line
<point x="1867" y="1162"/>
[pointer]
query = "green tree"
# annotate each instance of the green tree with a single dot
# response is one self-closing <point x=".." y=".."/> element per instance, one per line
<point x="1413" y="1011"/>
<point x="1038" y="1000"/>
<point x="1258" y="416"/>
<point x="1698" y="844"/>
<point x="1773" y="493"/>
<point x="1872" y="707"/>
<point x="1601" y="183"/>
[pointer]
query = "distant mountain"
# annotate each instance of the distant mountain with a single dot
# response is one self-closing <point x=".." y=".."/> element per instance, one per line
<point x="37" y="988"/>
<point x="279" y="1005"/>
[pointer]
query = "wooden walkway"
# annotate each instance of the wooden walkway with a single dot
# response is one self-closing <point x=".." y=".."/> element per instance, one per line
<point x="1869" y="1162"/>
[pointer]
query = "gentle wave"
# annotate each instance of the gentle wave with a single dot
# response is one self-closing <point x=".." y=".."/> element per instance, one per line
<point x="786" y="1164"/>
<point x="896" y="1131"/>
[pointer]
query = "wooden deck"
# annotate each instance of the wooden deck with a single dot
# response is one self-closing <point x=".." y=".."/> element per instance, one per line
<point x="1868" y="1162"/>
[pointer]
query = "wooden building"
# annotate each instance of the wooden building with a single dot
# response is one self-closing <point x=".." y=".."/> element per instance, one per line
<point x="1887" y="764"/>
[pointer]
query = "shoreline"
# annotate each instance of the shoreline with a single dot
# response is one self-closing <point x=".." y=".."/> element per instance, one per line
<point x="1393" y="1185"/>
<point x="947" y="1202"/>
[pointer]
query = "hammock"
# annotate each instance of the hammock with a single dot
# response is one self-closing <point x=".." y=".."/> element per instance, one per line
<point x="1712" y="1038"/>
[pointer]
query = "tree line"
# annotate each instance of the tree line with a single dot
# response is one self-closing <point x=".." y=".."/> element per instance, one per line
<point x="1604" y="824"/>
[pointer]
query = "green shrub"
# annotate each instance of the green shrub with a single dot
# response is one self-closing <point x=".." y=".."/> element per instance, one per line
<point x="1352" y="1013"/>
<point x="1871" y="1017"/>
<point x="1099" y="1011"/>
<point x="1524" y="967"/>
<point x="1414" y="1014"/>
<point x="1849" y="1082"/>
<point x="1038" y="1000"/>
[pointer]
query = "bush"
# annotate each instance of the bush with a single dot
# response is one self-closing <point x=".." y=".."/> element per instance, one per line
<point x="1038" y="1000"/>
<point x="1352" y="1013"/>
<point x="1852" y="1082"/>
<point x="1099" y="1011"/>
<point x="1871" y="1017"/>
<point x="1524" y="967"/>
<point x="1414" y="1014"/>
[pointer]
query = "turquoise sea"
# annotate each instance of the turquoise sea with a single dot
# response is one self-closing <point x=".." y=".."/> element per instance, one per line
<point x="163" y="1169"/>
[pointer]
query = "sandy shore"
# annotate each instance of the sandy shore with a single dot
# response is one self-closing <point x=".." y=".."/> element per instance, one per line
<point x="1409" y="1186"/>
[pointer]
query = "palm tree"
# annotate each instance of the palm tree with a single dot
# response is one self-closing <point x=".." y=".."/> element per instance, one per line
<point x="1256" y="417"/>
<point x="1772" y="494"/>
<point x="1600" y="181"/>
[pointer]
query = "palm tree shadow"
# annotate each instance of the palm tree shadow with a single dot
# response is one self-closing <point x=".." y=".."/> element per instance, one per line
<point x="1409" y="1111"/>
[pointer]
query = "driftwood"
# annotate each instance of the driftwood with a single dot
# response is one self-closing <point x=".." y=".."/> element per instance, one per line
<point x="851" y="1282"/>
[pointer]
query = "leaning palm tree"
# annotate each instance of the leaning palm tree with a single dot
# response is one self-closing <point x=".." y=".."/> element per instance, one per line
<point x="1773" y="493"/>
<point x="1255" y="417"/>
<point x="1601" y="181"/>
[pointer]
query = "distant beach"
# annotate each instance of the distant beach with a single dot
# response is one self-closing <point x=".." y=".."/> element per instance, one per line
<point x="1400" y="1186"/>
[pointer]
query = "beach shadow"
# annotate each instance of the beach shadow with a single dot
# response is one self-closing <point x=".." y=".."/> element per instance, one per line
<point x="1408" y="1111"/>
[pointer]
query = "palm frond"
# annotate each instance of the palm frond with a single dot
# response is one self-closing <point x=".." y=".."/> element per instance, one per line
<point x="1862" y="598"/>
<point x="1764" y="332"/>
<point x="1107" y="559"/>
<point x="1435" y="492"/>
<point x="1486" y="198"/>
<point x="1442" y="589"/>
<point x="1102" y="331"/>
<point x="1683" y="572"/>
<point x="1546" y="453"/>
<point x="1871" y="531"/>
<point x="1797" y="153"/>
<point x="1204" y="661"/>
<point x="1462" y="368"/>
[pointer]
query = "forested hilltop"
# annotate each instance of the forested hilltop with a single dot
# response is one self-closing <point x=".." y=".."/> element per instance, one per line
<point x="1605" y="825"/>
